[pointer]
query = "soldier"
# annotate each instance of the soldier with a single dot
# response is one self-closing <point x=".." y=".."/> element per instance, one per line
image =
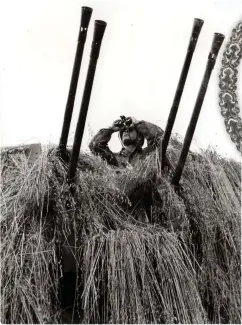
<point x="132" y="134"/>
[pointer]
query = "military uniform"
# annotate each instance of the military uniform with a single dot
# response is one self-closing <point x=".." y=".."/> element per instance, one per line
<point x="99" y="144"/>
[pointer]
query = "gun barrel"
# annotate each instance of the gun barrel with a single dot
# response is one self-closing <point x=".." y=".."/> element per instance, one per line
<point x="216" y="44"/>
<point x="99" y="30"/>
<point x="197" y="26"/>
<point x="85" y="19"/>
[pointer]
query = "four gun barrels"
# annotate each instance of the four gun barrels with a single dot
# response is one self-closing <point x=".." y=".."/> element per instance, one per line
<point x="99" y="29"/>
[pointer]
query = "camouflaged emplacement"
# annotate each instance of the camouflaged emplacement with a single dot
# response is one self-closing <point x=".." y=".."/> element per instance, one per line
<point x="32" y="151"/>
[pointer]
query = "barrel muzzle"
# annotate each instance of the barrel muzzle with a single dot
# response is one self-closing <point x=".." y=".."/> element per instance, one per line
<point x="86" y="16"/>
<point x="99" y="29"/>
<point x="216" y="44"/>
<point x="197" y="26"/>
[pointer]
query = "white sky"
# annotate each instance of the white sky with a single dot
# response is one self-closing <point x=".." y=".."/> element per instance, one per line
<point x="141" y="58"/>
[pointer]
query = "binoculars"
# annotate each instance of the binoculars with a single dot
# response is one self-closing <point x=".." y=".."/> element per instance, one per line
<point x="123" y="122"/>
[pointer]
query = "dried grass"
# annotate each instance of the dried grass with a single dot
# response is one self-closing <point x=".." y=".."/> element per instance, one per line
<point x="183" y="267"/>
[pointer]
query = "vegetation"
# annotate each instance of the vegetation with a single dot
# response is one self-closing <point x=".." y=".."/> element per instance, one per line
<point x="181" y="264"/>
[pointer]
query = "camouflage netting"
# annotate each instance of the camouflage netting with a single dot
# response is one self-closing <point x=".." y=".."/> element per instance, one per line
<point x="177" y="263"/>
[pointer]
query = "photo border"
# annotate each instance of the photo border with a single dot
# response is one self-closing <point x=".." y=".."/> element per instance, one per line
<point x="228" y="99"/>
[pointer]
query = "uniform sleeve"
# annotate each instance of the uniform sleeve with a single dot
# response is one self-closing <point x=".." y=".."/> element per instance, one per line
<point x="101" y="139"/>
<point x="151" y="132"/>
<point x="99" y="146"/>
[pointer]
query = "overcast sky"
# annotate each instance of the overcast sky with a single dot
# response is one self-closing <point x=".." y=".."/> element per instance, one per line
<point x="141" y="58"/>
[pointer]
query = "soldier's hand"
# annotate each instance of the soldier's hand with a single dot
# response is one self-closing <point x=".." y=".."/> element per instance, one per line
<point x="116" y="126"/>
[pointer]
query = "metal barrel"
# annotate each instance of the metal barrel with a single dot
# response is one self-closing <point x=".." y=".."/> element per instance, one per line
<point x="99" y="30"/>
<point x="197" y="26"/>
<point x="85" y="19"/>
<point x="216" y="44"/>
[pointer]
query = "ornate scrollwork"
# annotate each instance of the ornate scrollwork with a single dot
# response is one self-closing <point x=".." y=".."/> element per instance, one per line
<point x="228" y="100"/>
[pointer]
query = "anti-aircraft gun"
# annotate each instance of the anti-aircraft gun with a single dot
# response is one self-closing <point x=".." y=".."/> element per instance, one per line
<point x="97" y="40"/>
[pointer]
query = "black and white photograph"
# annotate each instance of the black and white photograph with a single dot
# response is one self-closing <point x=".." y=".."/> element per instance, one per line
<point x="120" y="146"/>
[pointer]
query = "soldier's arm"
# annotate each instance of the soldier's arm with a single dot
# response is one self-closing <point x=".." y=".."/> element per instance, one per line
<point x="101" y="139"/>
<point x="99" y="146"/>
<point x="151" y="132"/>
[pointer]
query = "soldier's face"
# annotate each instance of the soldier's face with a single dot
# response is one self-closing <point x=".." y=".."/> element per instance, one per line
<point x="129" y="136"/>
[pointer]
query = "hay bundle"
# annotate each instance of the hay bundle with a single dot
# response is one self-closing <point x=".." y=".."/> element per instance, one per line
<point x="139" y="276"/>
<point x="183" y="266"/>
